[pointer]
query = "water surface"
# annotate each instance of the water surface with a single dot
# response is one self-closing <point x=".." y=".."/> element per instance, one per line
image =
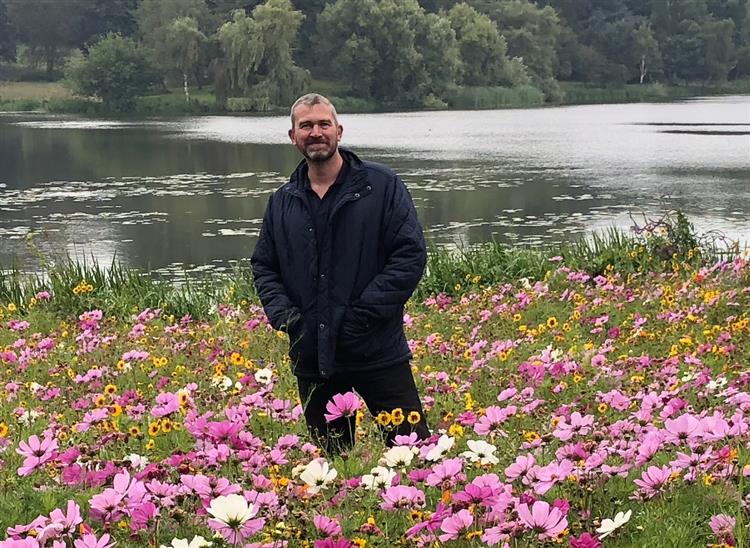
<point x="185" y="193"/>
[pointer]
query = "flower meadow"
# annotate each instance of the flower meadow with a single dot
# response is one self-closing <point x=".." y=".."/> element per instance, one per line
<point x="576" y="410"/>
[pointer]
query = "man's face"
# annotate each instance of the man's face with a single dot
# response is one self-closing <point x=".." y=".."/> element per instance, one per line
<point x="316" y="134"/>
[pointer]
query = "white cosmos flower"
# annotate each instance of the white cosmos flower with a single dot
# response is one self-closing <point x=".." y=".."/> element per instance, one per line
<point x="137" y="461"/>
<point x="232" y="510"/>
<point x="609" y="526"/>
<point x="399" y="456"/>
<point x="317" y="475"/>
<point x="378" y="478"/>
<point x="197" y="542"/>
<point x="263" y="376"/>
<point x="481" y="452"/>
<point x="444" y="444"/>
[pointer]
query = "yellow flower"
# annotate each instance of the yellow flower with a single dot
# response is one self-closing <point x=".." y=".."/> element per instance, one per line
<point x="516" y="317"/>
<point x="110" y="389"/>
<point x="602" y="408"/>
<point x="134" y="431"/>
<point x="3" y="430"/>
<point x="100" y="400"/>
<point x="153" y="428"/>
<point x="359" y="542"/>
<point x="531" y="436"/>
<point x="383" y="418"/>
<point x="116" y="410"/>
<point x="551" y="322"/>
<point x="413" y="417"/>
<point x="456" y="430"/>
<point x="166" y="426"/>
<point x="397" y="416"/>
<point x="150" y="445"/>
<point x="236" y="358"/>
<point x="577" y="377"/>
<point x="11" y="307"/>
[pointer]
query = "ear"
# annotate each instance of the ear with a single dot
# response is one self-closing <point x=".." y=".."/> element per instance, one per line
<point x="291" y="135"/>
<point x="340" y="132"/>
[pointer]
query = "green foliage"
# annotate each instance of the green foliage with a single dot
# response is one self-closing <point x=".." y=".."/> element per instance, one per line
<point x="116" y="70"/>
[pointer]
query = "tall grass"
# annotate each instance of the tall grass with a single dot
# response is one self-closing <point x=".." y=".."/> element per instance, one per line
<point x="466" y="97"/>
<point x="578" y="93"/>
<point x="666" y="244"/>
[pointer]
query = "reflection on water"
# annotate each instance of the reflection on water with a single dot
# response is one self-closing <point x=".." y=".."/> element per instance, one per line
<point x="168" y="194"/>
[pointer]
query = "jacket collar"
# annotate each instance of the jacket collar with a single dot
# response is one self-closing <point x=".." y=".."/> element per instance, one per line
<point x="357" y="174"/>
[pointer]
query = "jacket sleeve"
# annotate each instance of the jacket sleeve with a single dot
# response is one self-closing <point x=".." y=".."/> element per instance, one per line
<point x="406" y="257"/>
<point x="267" y="276"/>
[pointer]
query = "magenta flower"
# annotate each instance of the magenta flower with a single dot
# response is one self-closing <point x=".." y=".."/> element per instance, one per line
<point x="456" y="524"/>
<point x="342" y="405"/>
<point x="545" y="520"/>
<point x="90" y="541"/>
<point x="585" y="541"/>
<point x="493" y="419"/>
<point x="36" y="452"/>
<point x="578" y="425"/>
<point x="333" y="543"/>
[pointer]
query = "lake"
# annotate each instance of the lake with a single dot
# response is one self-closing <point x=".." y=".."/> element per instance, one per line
<point x="188" y="193"/>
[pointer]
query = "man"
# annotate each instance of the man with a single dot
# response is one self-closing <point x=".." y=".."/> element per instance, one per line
<point x="340" y="252"/>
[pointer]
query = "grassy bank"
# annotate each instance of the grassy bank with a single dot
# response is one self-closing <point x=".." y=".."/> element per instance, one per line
<point x="53" y="97"/>
<point x="667" y="245"/>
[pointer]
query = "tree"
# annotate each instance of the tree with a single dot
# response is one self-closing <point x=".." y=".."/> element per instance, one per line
<point x="646" y="51"/>
<point x="389" y="50"/>
<point x="47" y="27"/>
<point x="258" y="53"/>
<point x="116" y="70"/>
<point x="7" y="35"/>
<point x="531" y="34"/>
<point x="483" y="49"/>
<point x="719" y="48"/>
<point x="184" y="46"/>
<point x="100" y="17"/>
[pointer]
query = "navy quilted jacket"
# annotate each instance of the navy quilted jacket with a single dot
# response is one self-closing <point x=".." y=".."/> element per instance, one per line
<point x="341" y="297"/>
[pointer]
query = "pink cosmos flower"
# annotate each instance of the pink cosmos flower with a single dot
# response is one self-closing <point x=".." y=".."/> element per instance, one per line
<point x="585" y="541"/>
<point x="578" y="425"/>
<point x="402" y="496"/>
<point x="521" y="469"/>
<point x="684" y="429"/>
<point x="554" y="472"/>
<point x="342" y="405"/>
<point x="493" y="418"/>
<point x="333" y="543"/>
<point x="70" y="519"/>
<point x="722" y="526"/>
<point x="653" y="481"/>
<point x="36" y="452"/>
<point x="446" y="474"/>
<point x="19" y="543"/>
<point x="90" y="541"/>
<point x="327" y="526"/>
<point x="547" y="521"/>
<point x="456" y="524"/>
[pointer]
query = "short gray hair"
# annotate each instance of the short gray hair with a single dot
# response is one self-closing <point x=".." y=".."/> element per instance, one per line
<point x="311" y="99"/>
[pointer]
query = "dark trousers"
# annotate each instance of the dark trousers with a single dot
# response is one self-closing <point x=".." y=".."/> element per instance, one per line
<point x="382" y="390"/>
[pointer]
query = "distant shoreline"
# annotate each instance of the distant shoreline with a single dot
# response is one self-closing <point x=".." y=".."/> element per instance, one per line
<point x="53" y="98"/>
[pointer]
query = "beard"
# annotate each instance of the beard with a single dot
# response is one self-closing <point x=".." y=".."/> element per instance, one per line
<point x="314" y="152"/>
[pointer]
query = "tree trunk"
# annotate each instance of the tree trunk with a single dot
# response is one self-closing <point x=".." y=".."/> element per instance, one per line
<point x="185" y="86"/>
<point x="644" y="71"/>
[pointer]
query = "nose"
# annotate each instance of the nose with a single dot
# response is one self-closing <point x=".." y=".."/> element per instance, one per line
<point x="315" y="130"/>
